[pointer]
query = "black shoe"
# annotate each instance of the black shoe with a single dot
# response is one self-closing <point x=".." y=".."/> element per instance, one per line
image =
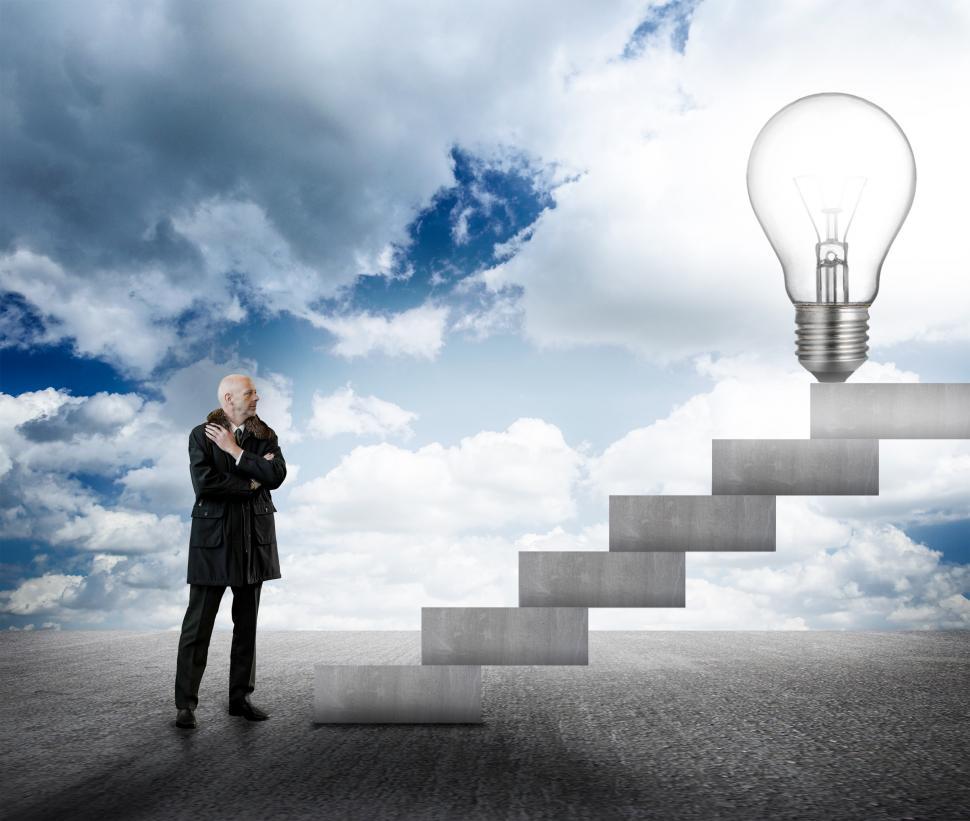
<point x="250" y="711"/>
<point x="186" y="719"/>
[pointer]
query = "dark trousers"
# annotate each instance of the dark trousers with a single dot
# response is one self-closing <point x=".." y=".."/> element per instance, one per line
<point x="194" y="642"/>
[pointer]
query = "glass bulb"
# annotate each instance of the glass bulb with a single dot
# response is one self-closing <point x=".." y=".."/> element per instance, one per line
<point x="831" y="178"/>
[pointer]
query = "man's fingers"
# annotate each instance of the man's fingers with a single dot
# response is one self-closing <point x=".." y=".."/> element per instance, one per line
<point x="269" y="455"/>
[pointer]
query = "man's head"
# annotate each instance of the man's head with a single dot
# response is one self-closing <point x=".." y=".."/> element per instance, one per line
<point x="237" y="397"/>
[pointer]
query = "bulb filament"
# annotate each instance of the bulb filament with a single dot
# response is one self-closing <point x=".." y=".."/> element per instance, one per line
<point x="824" y="199"/>
<point x="831" y="265"/>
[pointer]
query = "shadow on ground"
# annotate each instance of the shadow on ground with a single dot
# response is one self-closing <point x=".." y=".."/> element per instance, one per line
<point x="659" y="725"/>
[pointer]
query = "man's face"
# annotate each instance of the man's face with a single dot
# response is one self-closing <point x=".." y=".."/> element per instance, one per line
<point x="243" y="399"/>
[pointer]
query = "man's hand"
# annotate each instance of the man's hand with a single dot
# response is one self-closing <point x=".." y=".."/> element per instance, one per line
<point x="253" y="484"/>
<point x="224" y="439"/>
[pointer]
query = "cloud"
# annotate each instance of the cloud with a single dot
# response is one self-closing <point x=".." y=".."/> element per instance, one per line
<point x="113" y="593"/>
<point x="367" y="543"/>
<point x="841" y="562"/>
<point x="238" y="236"/>
<point x="417" y="332"/>
<point x="120" y="320"/>
<point x="878" y="579"/>
<point x="151" y="190"/>
<point x="121" y="531"/>
<point x="172" y="175"/>
<point x="375" y="580"/>
<point x="103" y="414"/>
<point x="345" y="411"/>
<point x="492" y="312"/>
<point x="750" y="398"/>
<point x="488" y="481"/>
<point x="179" y="172"/>
<point x="654" y="248"/>
<point x="50" y="438"/>
<point x="40" y="595"/>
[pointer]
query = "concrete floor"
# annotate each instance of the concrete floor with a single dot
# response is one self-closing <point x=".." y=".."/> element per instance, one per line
<point x="665" y="725"/>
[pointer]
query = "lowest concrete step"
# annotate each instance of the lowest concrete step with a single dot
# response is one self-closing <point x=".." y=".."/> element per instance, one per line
<point x="584" y="578"/>
<point x="504" y="635"/>
<point x="386" y="694"/>
<point x="936" y="410"/>
<point x="795" y="467"/>
<point x="678" y="523"/>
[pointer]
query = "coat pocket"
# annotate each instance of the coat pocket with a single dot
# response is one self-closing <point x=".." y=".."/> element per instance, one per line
<point x="207" y="521"/>
<point x="264" y="522"/>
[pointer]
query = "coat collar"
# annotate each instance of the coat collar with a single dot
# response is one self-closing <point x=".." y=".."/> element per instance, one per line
<point x="254" y="425"/>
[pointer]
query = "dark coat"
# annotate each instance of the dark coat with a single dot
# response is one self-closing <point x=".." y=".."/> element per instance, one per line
<point x="233" y="539"/>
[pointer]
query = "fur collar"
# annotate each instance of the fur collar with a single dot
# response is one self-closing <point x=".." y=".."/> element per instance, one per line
<point x="254" y="425"/>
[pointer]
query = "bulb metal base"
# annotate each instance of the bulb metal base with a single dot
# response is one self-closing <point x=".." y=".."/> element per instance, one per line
<point x="831" y="340"/>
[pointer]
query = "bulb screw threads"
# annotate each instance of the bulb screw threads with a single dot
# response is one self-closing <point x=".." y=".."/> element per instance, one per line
<point x="831" y="340"/>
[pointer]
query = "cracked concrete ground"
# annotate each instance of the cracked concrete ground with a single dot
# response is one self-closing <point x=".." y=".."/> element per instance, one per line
<point x="666" y="725"/>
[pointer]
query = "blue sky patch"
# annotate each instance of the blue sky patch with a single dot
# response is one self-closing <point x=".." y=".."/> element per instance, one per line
<point x="674" y="17"/>
<point x="456" y="234"/>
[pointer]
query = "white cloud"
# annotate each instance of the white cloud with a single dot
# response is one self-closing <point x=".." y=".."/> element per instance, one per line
<point x="120" y="321"/>
<point x="417" y="332"/>
<point x="488" y="481"/>
<point x="751" y="398"/>
<point x="651" y="246"/>
<point x="40" y="595"/>
<point x="500" y="312"/>
<point x="291" y="206"/>
<point x="373" y="580"/>
<point x="238" y="236"/>
<point x="673" y="455"/>
<point x="49" y="437"/>
<point x="121" y="531"/>
<point x="114" y="593"/>
<point x="655" y="247"/>
<point x="840" y="562"/>
<point x="389" y="530"/>
<point x="345" y="411"/>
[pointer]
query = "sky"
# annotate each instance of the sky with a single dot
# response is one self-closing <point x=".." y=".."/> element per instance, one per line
<point x="487" y="263"/>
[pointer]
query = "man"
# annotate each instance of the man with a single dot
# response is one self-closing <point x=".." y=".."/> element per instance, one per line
<point x="235" y="461"/>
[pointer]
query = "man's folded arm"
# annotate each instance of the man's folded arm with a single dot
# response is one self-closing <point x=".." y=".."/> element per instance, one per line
<point x="270" y="473"/>
<point x="207" y="480"/>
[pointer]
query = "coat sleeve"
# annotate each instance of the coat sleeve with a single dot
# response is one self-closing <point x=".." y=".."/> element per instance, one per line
<point x="270" y="473"/>
<point x="207" y="479"/>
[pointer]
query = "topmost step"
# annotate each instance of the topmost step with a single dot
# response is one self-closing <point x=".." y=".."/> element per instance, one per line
<point x="890" y="410"/>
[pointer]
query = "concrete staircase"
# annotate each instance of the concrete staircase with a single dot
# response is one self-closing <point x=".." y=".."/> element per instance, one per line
<point x="649" y="537"/>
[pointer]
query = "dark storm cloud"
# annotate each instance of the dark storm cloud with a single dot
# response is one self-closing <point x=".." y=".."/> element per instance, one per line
<point x="118" y="116"/>
<point x="60" y="427"/>
<point x="101" y="414"/>
<point x="180" y="167"/>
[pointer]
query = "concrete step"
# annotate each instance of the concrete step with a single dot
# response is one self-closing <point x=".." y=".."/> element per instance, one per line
<point x="504" y="635"/>
<point x="588" y="578"/>
<point x="396" y="694"/>
<point x="678" y="523"/>
<point x="890" y="411"/>
<point x="796" y="467"/>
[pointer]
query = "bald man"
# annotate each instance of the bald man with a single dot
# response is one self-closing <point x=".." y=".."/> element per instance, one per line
<point x="235" y="461"/>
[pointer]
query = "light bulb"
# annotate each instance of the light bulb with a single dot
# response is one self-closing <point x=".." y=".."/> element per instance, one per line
<point x="831" y="178"/>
